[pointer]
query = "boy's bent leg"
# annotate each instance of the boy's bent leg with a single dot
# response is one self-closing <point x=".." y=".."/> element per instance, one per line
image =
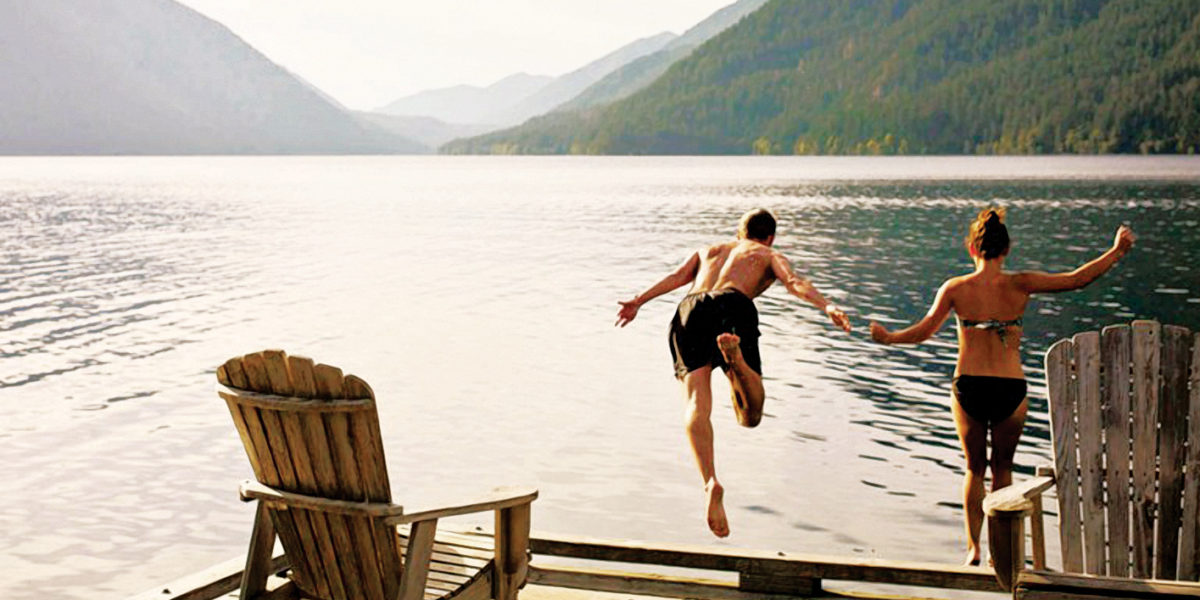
<point x="745" y="383"/>
<point x="697" y="388"/>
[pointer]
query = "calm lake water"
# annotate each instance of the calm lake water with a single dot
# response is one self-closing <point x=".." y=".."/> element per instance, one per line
<point x="477" y="296"/>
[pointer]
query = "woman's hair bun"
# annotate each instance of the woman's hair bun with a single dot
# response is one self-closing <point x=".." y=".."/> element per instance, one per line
<point x="988" y="237"/>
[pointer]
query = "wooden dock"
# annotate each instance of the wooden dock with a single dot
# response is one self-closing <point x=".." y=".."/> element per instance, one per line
<point x="572" y="567"/>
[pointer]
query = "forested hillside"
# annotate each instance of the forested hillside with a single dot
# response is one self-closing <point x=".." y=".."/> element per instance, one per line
<point x="909" y="76"/>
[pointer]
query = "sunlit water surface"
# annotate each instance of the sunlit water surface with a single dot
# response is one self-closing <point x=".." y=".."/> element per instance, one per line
<point x="477" y="296"/>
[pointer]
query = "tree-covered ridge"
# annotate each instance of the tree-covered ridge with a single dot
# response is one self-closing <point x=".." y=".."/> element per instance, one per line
<point x="644" y="71"/>
<point x="909" y="76"/>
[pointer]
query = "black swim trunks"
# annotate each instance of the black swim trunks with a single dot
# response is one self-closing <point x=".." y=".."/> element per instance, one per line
<point x="989" y="400"/>
<point x="698" y="321"/>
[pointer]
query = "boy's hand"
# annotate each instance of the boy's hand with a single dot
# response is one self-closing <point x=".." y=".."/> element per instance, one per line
<point x="880" y="333"/>
<point x="627" y="312"/>
<point x="838" y="317"/>
<point x="1125" y="239"/>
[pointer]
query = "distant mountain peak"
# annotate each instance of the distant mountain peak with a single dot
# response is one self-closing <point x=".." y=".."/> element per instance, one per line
<point x="640" y="73"/>
<point x="517" y="97"/>
<point x="156" y="77"/>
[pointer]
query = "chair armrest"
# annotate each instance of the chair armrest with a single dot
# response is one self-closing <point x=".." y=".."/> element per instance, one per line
<point x="497" y="499"/>
<point x="1015" y="498"/>
<point x="253" y="490"/>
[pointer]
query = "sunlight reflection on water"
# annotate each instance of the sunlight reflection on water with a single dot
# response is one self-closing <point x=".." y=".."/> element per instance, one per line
<point x="477" y="296"/>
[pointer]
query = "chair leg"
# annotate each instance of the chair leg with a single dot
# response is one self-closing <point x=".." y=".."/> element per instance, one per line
<point x="416" y="566"/>
<point x="1037" y="530"/>
<point x="258" y="558"/>
<point x="512" y="542"/>
<point x="1006" y="538"/>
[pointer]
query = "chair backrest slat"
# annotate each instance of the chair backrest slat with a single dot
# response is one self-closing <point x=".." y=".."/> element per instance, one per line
<point x="1172" y="434"/>
<point x="1060" y="379"/>
<point x="1189" y="534"/>
<point x="267" y="372"/>
<point x="1125" y="412"/>
<point x="1147" y="351"/>
<point x="306" y="437"/>
<point x="330" y="448"/>
<point x="1116" y="351"/>
<point x="1091" y="450"/>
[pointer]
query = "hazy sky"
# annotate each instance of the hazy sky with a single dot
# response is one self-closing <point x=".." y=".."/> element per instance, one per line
<point x="367" y="53"/>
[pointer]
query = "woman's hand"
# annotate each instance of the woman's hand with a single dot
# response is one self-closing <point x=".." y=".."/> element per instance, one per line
<point x="1124" y="240"/>
<point x="880" y="333"/>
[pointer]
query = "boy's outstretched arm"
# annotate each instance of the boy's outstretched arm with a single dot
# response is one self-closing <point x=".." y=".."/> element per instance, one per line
<point x="804" y="289"/>
<point x="1036" y="281"/>
<point x="921" y="330"/>
<point x="681" y="277"/>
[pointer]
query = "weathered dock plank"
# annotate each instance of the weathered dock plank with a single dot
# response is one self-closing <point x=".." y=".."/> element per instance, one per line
<point x="210" y="583"/>
<point x="760" y="574"/>
<point x="768" y="562"/>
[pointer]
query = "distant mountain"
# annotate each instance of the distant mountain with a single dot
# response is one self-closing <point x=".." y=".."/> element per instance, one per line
<point x="426" y="130"/>
<point x="516" y="98"/>
<point x="469" y="103"/>
<point x="568" y="86"/>
<point x="155" y="77"/>
<point x="909" y="76"/>
<point x="643" y="71"/>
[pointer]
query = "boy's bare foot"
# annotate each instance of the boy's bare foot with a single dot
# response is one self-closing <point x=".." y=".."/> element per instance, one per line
<point x="716" y="508"/>
<point x="728" y="343"/>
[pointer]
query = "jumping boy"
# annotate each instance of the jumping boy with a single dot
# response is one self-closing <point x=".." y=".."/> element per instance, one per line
<point x="716" y="325"/>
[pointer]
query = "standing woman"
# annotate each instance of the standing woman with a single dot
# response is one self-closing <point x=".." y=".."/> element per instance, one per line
<point x="989" y="384"/>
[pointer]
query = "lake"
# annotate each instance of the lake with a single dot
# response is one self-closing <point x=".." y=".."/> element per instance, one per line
<point x="477" y="295"/>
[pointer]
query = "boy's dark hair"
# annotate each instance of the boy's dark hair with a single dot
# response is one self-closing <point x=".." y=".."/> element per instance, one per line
<point x="758" y="224"/>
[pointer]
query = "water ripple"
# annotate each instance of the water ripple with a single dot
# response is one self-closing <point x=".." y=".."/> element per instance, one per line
<point x="477" y="296"/>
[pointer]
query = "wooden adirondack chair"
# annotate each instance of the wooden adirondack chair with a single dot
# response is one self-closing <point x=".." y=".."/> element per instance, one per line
<point x="1125" y="414"/>
<point x="312" y="436"/>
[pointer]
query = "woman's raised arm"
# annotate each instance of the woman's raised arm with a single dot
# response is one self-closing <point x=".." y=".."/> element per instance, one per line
<point x="1033" y="282"/>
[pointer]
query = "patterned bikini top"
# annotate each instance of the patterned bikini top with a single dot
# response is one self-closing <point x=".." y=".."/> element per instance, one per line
<point x="1000" y="327"/>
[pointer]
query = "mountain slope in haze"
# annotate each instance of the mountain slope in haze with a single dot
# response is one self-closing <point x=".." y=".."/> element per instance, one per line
<point x="909" y="76"/>
<point x="568" y="86"/>
<point x="643" y="71"/>
<point x="468" y="103"/>
<point x="516" y="98"/>
<point x="155" y="77"/>
<point x="425" y="130"/>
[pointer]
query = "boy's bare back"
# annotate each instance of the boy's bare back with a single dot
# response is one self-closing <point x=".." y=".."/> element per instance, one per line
<point x="742" y="264"/>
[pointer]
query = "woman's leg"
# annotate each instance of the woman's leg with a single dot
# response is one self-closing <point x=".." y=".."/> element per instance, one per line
<point x="1005" y="436"/>
<point x="973" y="436"/>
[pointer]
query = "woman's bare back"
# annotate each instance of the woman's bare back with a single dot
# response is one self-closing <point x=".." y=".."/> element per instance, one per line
<point x="993" y="300"/>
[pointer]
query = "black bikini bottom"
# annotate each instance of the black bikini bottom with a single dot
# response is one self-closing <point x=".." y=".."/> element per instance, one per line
<point x="989" y="400"/>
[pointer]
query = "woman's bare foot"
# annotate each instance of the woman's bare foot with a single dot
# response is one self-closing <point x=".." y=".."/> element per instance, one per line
<point x="728" y="343"/>
<point x="972" y="558"/>
<point x="716" y="508"/>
